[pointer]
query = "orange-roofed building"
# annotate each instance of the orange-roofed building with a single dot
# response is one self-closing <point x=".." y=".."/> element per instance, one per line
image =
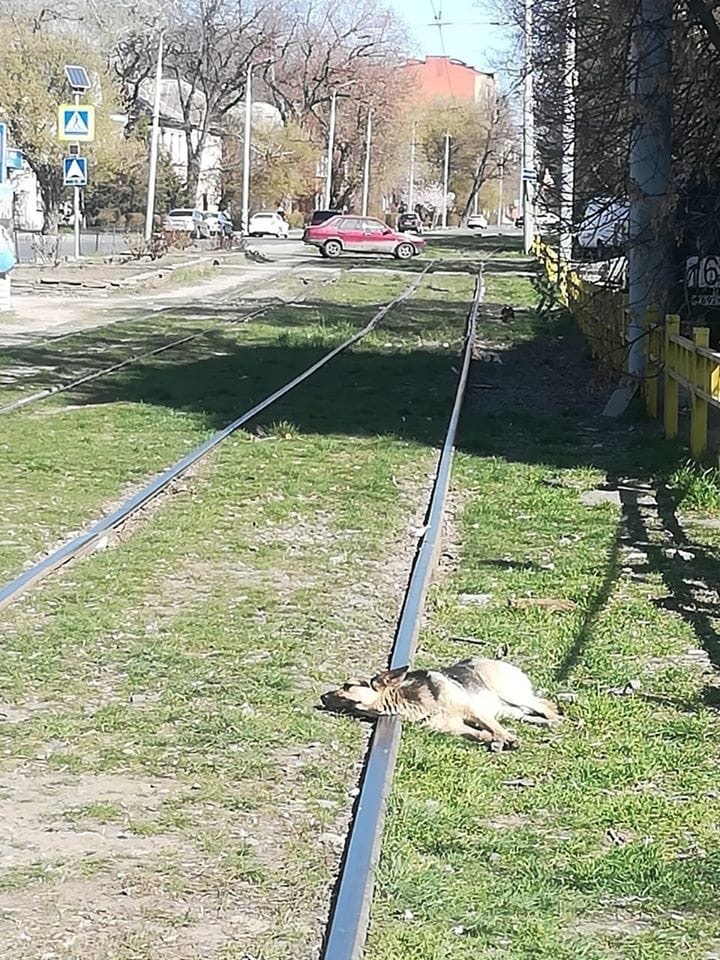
<point x="443" y="78"/>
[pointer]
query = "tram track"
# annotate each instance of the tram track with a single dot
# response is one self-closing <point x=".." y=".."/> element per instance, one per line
<point x="350" y="913"/>
<point x="90" y="539"/>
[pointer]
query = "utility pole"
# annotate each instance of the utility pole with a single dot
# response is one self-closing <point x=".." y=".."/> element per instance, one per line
<point x="446" y="180"/>
<point x="366" y="177"/>
<point x="476" y="198"/>
<point x="529" y="172"/>
<point x="331" y="151"/>
<point x="567" y="164"/>
<point x="501" y="177"/>
<point x="154" y="144"/>
<point x="649" y="270"/>
<point x="246" y="151"/>
<point x="411" y="185"/>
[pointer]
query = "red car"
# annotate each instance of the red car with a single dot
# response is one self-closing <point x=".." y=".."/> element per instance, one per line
<point x="361" y="235"/>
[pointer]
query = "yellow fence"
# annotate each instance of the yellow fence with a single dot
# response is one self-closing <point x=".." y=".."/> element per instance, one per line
<point x="674" y="360"/>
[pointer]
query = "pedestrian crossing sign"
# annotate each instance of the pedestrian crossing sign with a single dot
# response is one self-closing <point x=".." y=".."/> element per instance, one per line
<point x="76" y="122"/>
<point x="75" y="171"/>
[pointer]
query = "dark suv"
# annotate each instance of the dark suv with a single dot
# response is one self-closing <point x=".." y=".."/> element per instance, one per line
<point x="320" y="216"/>
<point x="410" y="223"/>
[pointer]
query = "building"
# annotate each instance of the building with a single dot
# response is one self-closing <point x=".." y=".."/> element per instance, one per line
<point x="173" y="142"/>
<point x="443" y="78"/>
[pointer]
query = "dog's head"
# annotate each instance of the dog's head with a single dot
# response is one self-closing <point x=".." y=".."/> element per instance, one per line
<point x="365" y="697"/>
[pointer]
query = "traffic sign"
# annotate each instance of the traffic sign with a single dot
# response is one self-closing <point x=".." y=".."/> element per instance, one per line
<point x="3" y="149"/>
<point x="76" y="122"/>
<point x="13" y="159"/>
<point x="75" y="171"/>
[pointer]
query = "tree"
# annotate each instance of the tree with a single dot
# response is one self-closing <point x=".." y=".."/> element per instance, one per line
<point x="479" y="135"/>
<point x="33" y="85"/>
<point x="354" y="49"/>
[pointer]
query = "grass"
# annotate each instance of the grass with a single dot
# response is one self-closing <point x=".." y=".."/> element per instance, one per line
<point x="598" y="840"/>
<point x="192" y="655"/>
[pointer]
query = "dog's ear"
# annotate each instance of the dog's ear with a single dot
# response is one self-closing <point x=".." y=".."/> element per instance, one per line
<point x="389" y="678"/>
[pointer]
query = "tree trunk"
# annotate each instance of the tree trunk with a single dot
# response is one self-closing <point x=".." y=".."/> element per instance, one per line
<point x="194" y="152"/>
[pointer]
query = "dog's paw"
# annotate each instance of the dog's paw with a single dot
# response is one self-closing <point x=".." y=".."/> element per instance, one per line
<point x="500" y="746"/>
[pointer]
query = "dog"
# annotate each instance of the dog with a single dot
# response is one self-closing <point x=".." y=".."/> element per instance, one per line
<point x="464" y="699"/>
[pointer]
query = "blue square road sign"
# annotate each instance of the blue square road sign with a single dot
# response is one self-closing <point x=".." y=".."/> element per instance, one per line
<point x="75" y="171"/>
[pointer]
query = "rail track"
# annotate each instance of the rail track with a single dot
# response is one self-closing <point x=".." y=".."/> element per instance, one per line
<point x="96" y="536"/>
<point x="350" y="914"/>
<point x="48" y="392"/>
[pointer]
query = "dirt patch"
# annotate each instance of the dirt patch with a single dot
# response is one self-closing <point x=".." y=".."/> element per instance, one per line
<point x="37" y="823"/>
<point x="618" y="925"/>
<point x="109" y="918"/>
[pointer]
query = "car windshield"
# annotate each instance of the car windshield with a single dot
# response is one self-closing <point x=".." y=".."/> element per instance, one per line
<point x="263" y="216"/>
<point x="180" y="213"/>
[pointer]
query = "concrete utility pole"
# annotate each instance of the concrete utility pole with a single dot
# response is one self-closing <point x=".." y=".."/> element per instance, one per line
<point x="331" y="150"/>
<point x="446" y="180"/>
<point x="649" y="269"/>
<point x="411" y="185"/>
<point x="366" y="176"/>
<point x="501" y="184"/>
<point x="567" y="165"/>
<point x="528" y="134"/>
<point x="154" y="144"/>
<point x="246" y="151"/>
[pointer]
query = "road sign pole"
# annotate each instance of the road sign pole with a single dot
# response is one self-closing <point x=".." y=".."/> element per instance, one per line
<point x="76" y="203"/>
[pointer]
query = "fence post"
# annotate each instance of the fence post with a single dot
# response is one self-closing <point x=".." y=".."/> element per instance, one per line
<point x="699" y="408"/>
<point x="670" y="416"/>
<point x="651" y="362"/>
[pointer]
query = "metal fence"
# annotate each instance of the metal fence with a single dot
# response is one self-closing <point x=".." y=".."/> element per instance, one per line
<point x="34" y="247"/>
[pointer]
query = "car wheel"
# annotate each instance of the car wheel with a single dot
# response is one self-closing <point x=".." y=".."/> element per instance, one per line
<point x="405" y="251"/>
<point x="323" y="253"/>
<point x="333" y="248"/>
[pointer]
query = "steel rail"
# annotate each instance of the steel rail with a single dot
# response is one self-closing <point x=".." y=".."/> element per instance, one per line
<point x="350" y="915"/>
<point x="88" y="541"/>
<point x="135" y="358"/>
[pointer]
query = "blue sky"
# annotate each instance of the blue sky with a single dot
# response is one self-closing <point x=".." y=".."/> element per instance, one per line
<point x="463" y="35"/>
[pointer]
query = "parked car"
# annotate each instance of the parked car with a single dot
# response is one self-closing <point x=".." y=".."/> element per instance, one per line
<point x="477" y="221"/>
<point x="219" y="224"/>
<point x="410" y="223"/>
<point x="187" y="220"/>
<point x="320" y="216"/>
<point x="361" y="235"/>
<point x="268" y="225"/>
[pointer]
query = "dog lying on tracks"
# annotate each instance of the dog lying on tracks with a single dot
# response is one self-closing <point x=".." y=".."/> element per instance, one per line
<point x="465" y="699"/>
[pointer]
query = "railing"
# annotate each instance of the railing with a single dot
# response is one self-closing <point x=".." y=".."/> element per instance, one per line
<point x="675" y="360"/>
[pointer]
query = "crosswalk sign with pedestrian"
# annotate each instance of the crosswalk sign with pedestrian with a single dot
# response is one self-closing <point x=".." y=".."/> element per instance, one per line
<point x="75" y="171"/>
<point x="76" y="122"/>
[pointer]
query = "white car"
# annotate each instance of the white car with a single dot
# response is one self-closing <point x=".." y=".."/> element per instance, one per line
<point x="268" y="224"/>
<point x="605" y="224"/>
<point x="477" y="222"/>
<point x="187" y="220"/>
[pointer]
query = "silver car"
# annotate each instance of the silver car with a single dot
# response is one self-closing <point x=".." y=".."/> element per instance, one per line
<point x="187" y="220"/>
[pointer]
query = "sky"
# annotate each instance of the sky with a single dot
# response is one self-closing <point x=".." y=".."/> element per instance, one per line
<point x="465" y="34"/>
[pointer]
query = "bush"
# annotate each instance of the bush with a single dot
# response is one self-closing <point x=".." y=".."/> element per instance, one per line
<point x="108" y="217"/>
<point x="135" y="221"/>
